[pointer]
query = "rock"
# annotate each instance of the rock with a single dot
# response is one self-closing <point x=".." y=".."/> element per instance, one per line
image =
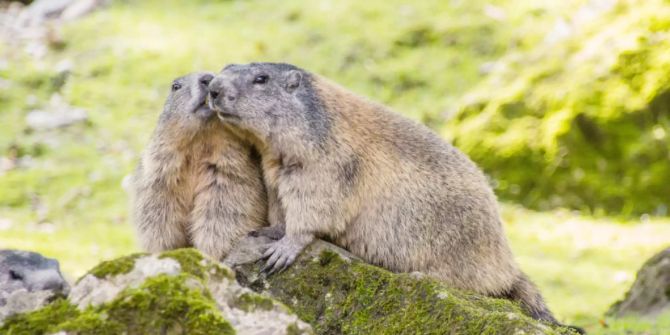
<point x="650" y="293"/>
<point x="59" y="114"/>
<point x="42" y="10"/>
<point x="35" y="28"/>
<point x="81" y="8"/>
<point x="28" y="281"/>
<point x="176" y="292"/>
<point x="327" y="291"/>
<point x="22" y="301"/>
<point x="338" y="294"/>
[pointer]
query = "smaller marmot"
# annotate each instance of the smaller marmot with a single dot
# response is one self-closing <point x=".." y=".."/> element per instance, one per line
<point x="385" y="188"/>
<point x="198" y="184"/>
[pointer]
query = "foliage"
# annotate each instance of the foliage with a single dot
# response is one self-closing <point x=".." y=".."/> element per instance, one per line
<point x="581" y="122"/>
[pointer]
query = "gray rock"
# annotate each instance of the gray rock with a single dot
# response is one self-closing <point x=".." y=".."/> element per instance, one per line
<point x="182" y="292"/>
<point x="58" y="114"/>
<point x="35" y="27"/>
<point x="28" y="280"/>
<point x="177" y="292"/>
<point x="43" y="10"/>
<point x="82" y="7"/>
<point x="650" y="293"/>
<point x="337" y="293"/>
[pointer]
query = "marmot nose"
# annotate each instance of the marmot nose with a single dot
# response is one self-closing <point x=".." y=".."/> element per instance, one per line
<point x="206" y="79"/>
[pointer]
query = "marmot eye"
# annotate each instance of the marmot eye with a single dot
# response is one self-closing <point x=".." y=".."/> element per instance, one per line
<point x="175" y="86"/>
<point x="261" y="79"/>
<point x="15" y="275"/>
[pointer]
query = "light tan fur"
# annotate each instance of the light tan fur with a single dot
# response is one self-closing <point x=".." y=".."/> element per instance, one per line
<point x="198" y="183"/>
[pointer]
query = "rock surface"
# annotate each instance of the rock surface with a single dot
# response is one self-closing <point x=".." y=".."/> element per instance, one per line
<point x="57" y="114"/>
<point x="35" y="28"/>
<point x="28" y="281"/>
<point x="650" y="293"/>
<point x="327" y="291"/>
<point x="338" y="294"/>
<point x="176" y="292"/>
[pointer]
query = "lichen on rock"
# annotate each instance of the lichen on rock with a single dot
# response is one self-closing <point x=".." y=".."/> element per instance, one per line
<point x="338" y="294"/>
<point x="326" y="291"/>
<point x="180" y="291"/>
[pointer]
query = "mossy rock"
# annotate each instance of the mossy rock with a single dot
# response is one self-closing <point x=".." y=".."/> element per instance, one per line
<point x="338" y="294"/>
<point x="650" y="294"/>
<point x="583" y="122"/>
<point x="177" y="292"/>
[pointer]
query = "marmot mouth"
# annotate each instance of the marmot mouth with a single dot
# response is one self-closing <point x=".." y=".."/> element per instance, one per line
<point x="203" y="111"/>
<point x="200" y="107"/>
<point x="223" y="115"/>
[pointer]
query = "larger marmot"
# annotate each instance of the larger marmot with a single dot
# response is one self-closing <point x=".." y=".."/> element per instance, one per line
<point x="382" y="186"/>
<point x="198" y="184"/>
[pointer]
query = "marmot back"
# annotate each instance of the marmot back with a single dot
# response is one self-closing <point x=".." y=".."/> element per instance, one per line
<point x="198" y="184"/>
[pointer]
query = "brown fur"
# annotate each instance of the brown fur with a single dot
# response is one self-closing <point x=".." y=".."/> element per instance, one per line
<point x="387" y="189"/>
<point x="198" y="184"/>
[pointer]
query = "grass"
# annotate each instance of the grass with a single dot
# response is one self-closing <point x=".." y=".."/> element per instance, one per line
<point x="583" y="264"/>
<point x="66" y="200"/>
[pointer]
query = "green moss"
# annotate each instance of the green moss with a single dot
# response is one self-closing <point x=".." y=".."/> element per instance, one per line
<point x="92" y="322"/>
<point x="42" y="321"/>
<point x="167" y="304"/>
<point x="115" y="267"/>
<point x="195" y="263"/>
<point x="252" y="301"/>
<point x="191" y="261"/>
<point x="162" y="304"/>
<point x="293" y="329"/>
<point x="338" y="296"/>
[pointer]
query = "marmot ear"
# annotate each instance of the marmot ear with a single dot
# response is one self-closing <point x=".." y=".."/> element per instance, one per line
<point x="293" y="80"/>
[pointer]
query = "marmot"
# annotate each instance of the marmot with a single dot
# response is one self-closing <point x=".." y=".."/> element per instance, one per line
<point x="386" y="188"/>
<point x="198" y="183"/>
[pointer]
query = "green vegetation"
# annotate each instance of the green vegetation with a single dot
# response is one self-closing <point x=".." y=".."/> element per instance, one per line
<point x="350" y="297"/>
<point x="176" y="303"/>
<point x="583" y="265"/>
<point x="41" y="321"/>
<point x="116" y="267"/>
<point x="252" y="301"/>
<point x="162" y="304"/>
<point x="530" y="109"/>
<point x="588" y="115"/>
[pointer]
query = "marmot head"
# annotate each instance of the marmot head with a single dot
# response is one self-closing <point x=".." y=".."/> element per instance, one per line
<point x="272" y="100"/>
<point x="30" y="271"/>
<point x="185" y="106"/>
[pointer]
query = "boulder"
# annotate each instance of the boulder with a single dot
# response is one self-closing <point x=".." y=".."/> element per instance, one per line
<point x="327" y="291"/>
<point x="176" y="292"/>
<point x="650" y="293"/>
<point x="58" y="114"/>
<point x="339" y="294"/>
<point x="28" y="281"/>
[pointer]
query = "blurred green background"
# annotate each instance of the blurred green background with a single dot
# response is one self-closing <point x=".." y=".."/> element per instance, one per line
<point x="565" y="104"/>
